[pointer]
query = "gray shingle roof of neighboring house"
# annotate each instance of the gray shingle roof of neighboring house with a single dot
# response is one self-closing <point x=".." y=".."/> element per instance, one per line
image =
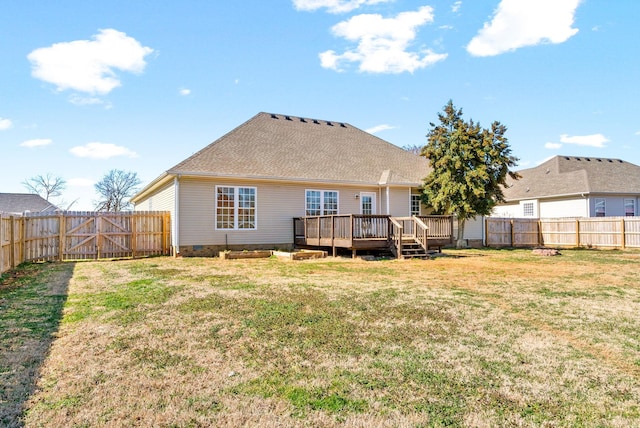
<point x="274" y="146"/>
<point x="21" y="202"/>
<point x="573" y="175"/>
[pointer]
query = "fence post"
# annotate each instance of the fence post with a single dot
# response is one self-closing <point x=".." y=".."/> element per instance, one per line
<point x="62" y="226"/>
<point x="23" y="237"/>
<point x="1" y="244"/>
<point x="98" y="225"/>
<point x="511" y="232"/>
<point x="622" y="230"/>
<point x="12" y="242"/>
<point x="540" y="239"/>
<point x="134" y="237"/>
<point x="578" y="233"/>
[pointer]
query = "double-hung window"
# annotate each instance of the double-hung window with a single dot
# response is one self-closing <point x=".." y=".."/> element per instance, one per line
<point x="321" y="202"/>
<point x="600" y="207"/>
<point x="629" y="207"/>
<point x="235" y="208"/>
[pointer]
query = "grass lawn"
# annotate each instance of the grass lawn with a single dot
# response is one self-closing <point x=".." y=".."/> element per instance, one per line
<point x="478" y="338"/>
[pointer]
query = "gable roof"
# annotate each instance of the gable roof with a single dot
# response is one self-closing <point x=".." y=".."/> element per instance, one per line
<point x="572" y="175"/>
<point x="21" y="202"/>
<point x="274" y="146"/>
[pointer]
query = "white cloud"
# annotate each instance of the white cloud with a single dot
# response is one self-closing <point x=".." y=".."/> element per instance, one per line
<point x="96" y="150"/>
<point x="5" y="124"/>
<point x="81" y="182"/>
<point x="594" y="140"/>
<point x="456" y="6"/>
<point x="519" y="23"/>
<point x="184" y="92"/>
<point x="37" y="142"/>
<point x="89" y="65"/>
<point x="334" y="6"/>
<point x="379" y="128"/>
<point x="87" y="101"/>
<point x="552" y="146"/>
<point x="382" y="43"/>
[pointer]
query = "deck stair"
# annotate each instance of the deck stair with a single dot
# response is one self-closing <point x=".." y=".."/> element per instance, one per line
<point x="411" y="249"/>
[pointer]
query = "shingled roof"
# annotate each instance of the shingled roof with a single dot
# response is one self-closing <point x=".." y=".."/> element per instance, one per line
<point x="274" y="146"/>
<point x="21" y="202"/>
<point x="571" y="175"/>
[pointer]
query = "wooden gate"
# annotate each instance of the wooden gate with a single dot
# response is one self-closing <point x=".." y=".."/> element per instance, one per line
<point x="82" y="235"/>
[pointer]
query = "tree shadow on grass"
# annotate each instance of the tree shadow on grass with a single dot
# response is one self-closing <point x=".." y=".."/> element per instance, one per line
<point x="31" y="302"/>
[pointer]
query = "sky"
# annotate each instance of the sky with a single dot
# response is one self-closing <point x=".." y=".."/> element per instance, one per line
<point x="91" y="86"/>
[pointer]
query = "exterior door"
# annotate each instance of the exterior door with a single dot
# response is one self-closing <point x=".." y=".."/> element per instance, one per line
<point x="367" y="203"/>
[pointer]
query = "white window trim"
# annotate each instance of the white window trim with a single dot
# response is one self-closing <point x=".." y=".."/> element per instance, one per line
<point x="322" y="192"/>
<point x="535" y="208"/>
<point x="635" y="206"/>
<point x="236" y="196"/>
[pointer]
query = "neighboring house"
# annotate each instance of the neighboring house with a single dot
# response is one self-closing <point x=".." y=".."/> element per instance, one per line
<point x="18" y="203"/>
<point x="244" y="190"/>
<point x="571" y="186"/>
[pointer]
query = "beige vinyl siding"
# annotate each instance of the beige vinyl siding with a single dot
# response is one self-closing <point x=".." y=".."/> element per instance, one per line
<point x="574" y="207"/>
<point x="400" y="201"/>
<point x="277" y="204"/>
<point x="161" y="200"/>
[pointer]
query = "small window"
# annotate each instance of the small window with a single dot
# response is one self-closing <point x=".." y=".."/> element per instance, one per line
<point x="235" y="208"/>
<point x="415" y="204"/>
<point x="629" y="207"/>
<point x="321" y="202"/>
<point x="600" y="207"/>
<point x="527" y="209"/>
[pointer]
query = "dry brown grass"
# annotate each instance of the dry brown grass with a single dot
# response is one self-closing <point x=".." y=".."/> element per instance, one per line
<point x="479" y="338"/>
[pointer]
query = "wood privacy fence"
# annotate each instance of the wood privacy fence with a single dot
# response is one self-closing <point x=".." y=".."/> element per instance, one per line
<point x="82" y="235"/>
<point x="590" y="232"/>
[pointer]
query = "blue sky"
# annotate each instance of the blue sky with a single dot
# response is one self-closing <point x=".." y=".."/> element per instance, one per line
<point x="88" y="86"/>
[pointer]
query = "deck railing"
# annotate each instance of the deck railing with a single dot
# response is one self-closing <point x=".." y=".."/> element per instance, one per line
<point x="371" y="231"/>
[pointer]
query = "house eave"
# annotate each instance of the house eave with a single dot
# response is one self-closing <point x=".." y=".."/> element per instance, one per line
<point x="159" y="181"/>
<point x="302" y="180"/>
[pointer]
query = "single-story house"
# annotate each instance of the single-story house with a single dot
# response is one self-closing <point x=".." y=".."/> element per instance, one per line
<point x="572" y="186"/>
<point x="244" y="190"/>
<point x="18" y="203"/>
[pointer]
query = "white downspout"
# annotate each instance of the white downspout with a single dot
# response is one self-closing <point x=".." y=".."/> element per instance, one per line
<point x="176" y="215"/>
<point x="388" y="203"/>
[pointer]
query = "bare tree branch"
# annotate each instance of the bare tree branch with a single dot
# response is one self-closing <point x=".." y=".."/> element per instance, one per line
<point x="47" y="186"/>
<point x="115" y="190"/>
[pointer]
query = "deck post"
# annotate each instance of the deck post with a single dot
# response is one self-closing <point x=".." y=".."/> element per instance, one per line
<point x="333" y="235"/>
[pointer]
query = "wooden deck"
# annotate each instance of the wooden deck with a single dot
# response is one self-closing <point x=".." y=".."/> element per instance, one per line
<point x="372" y="232"/>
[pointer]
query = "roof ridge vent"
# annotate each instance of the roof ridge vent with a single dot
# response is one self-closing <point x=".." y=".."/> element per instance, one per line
<point x="342" y="125"/>
<point x="302" y="120"/>
<point x="316" y="122"/>
<point x="329" y="123"/>
<point x="288" y="117"/>
<point x="273" y="116"/>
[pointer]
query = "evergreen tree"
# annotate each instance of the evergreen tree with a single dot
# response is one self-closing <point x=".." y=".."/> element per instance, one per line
<point x="469" y="164"/>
